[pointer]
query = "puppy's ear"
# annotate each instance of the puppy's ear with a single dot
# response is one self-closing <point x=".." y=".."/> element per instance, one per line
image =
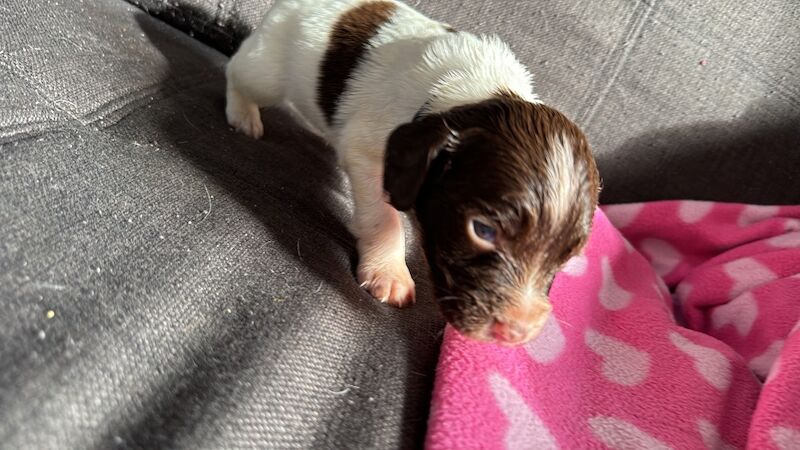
<point x="409" y="152"/>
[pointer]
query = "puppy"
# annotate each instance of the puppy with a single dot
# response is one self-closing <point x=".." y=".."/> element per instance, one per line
<point x="439" y="122"/>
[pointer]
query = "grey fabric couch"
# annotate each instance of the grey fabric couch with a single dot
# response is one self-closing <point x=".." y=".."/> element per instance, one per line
<point x="166" y="283"/>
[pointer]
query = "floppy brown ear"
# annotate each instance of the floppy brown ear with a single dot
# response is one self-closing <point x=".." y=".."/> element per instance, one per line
<point x="409" y="152"/>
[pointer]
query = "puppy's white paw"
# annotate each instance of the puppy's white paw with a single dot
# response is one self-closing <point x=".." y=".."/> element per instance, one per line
<point x="245" y="118"/>
<point x="390" y="284"/>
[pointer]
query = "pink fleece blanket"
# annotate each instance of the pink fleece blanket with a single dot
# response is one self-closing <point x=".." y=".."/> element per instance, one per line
<point x="618" y="366"/>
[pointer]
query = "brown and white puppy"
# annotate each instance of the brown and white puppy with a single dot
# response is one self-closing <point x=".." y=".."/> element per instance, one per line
<point x="441" y="123"/>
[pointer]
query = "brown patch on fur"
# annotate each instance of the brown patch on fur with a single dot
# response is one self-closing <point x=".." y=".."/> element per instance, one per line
<point x="497" y="167"/>
<point x="349" y="41"/>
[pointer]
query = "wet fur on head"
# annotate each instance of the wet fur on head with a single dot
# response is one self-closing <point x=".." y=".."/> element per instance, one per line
<point x="525" y="168"/>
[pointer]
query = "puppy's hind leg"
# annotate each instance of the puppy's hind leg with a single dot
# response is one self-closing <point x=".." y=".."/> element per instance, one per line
<point x="254" y="81"/>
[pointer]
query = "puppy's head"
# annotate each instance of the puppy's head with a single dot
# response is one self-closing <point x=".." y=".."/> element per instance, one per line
<point x="504" y="192"/>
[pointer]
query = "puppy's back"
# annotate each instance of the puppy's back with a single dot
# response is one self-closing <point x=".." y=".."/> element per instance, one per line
<point x="313" y="49"/>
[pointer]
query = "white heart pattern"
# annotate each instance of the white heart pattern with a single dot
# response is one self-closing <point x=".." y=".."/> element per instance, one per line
<point x="526" y="430"/>
<point x="788" y="240"/>
<point x="550" y="343"/>
<point x="747" y="273"/>
<point x="740" y="312"/>
<point x="711" y="437"/>
<point x="774" y="371"/>
<point x="756" y="213"/>
<point x="663" y="256"/>
<point x="621" y="435"/>
<point x="576" y="266"/>
<point x="712" y="365"/>
<point x="622" y="363"/>
<point x="692" y="212"/>
<point x="762" y="364"/>
<point x="623" y="215"/>
<point x="785" y="438"/>
<point x="612" y="296"/>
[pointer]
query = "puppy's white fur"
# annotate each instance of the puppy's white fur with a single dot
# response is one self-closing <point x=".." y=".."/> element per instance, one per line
<point x="412" y="62"/>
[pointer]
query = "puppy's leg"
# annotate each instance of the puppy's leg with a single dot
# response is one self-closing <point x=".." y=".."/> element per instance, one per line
<point x="377" y="226"/>
<point x="254" y="81"/>
<point x="243" y="114"/>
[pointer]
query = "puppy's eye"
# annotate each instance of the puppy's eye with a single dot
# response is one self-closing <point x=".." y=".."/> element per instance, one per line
<point x="484" y="232"/>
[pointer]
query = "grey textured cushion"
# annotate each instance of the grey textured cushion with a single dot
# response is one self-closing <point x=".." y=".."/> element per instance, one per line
<point x="201" y="283"/>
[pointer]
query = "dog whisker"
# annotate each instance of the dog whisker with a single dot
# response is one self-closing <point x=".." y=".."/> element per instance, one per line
<point x="563" y="322"/>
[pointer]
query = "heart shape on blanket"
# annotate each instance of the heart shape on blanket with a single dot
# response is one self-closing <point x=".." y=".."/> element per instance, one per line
<point x="763" y="363"/>
<point x="526" y="430"/>
<point x="756" y="213"/>
<point x="575" y="266"/>
<point x="622" y="363"/>
<point x="623" y="215"/>
<point x="785" y="438"/>
<point x="741" y="312"/>
<point x="788" y="240"/>
<point x="693" y="212"/>
<point x="747" y="273"/>
<point x="612" y="296"/>
<point x="664" y="257"/>
<point x="621" y="435"/>
<point x="550" y="343"/>
<point x="711" y="437"/>
<point x="712" y="365"/>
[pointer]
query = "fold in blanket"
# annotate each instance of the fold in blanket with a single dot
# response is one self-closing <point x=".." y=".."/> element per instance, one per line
<point x="676" y="328"/>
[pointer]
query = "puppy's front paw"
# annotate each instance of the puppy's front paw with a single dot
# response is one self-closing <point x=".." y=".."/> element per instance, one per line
<point x="390" y="284"/>
<point x="245" y="119"/>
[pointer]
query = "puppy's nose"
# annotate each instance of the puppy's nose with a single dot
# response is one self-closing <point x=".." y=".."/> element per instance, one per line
<point x="522" y="323"/>
<point x="512" y="332"/>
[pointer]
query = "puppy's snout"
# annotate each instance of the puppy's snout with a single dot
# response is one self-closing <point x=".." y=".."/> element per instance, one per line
<point x="511" y="332"/>
<point x="521" y="324"/>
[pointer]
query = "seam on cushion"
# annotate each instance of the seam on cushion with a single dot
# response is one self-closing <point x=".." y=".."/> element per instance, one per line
<point x="135" y="101"/>
<point x="118" y="108"/>
<point x="36" y="87"/>
<point x="105" y="110"/>
<point x="31" y="130"/>
<point x="606" y="61"/>
<point x="109" y="108"/>
<point x="630" y="38"/>
<point x="129" y="104"/>
<point x="113" y="113"/>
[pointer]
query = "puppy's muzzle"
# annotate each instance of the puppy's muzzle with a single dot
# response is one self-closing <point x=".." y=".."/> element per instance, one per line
<point x="520" y="324"/>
